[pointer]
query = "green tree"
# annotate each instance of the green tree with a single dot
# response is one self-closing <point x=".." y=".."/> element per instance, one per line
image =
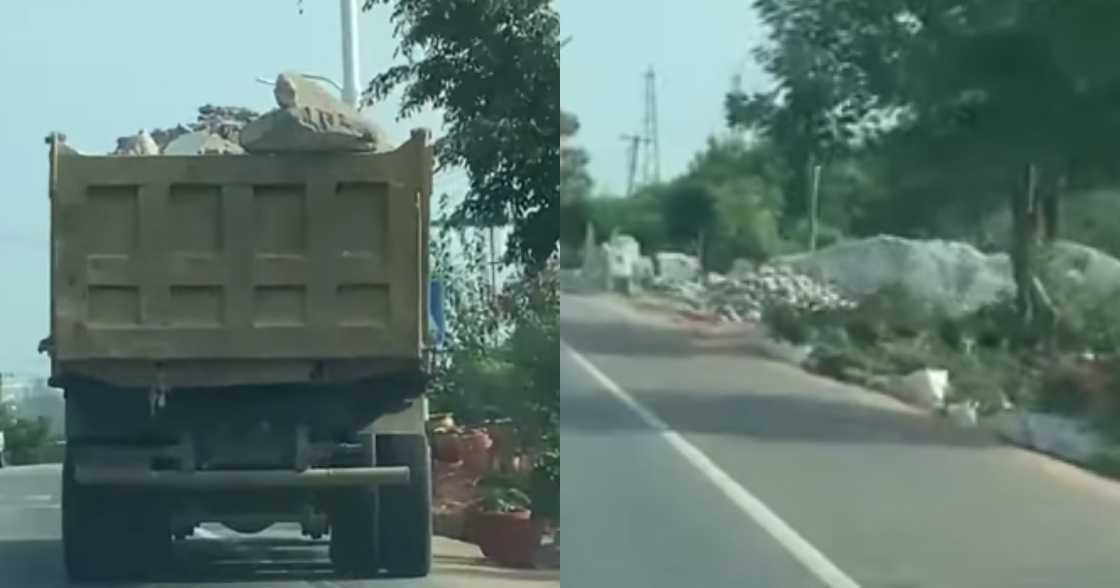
<point x="689" y="209"/>
<point x="745" y="183"/>
<point x="493" y="68"/>
<point x="640" y="216"/>
<point x="817" y="106"/>
<point x="575" y="185"/>
<point x="24" y="439"/>
<point x="995" y="103"/>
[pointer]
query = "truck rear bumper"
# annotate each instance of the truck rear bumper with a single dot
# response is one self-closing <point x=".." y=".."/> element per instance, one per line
<point x="98" y="475"/>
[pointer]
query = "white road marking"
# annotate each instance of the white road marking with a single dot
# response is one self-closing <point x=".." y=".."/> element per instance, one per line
<point x="786" y="536"/>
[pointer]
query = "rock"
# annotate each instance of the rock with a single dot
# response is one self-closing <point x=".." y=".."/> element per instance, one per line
<point x="741" y="269"/>
<point x="140" y="144"/>
<point x="200" y="143"/>
<point x="643" y="270"/>
<point x="767" y="286"/>
<point x="1095" y="275"/>
<point x="623" y="254"/>
<point x="164" y="137"/>
<point x="309" y="119"/>
<point x="715" y="279"/>
<point x="948" y="278"/>
<point x="677" y="267"/>
<point x="963" y="414"/>
<point x="627" y="246"/>
<point x="926" y="388"/>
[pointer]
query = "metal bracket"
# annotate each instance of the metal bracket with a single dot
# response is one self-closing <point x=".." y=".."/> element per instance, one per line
<point x="157" y="396"/>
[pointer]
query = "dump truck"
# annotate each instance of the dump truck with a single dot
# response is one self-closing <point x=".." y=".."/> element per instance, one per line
<point x="242" y="340"/>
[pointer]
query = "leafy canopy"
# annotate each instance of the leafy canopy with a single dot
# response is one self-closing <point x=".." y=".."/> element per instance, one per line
<point x="493" y="68"/>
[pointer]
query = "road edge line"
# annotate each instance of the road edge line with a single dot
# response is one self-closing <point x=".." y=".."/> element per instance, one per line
<point x="803" y="551"/>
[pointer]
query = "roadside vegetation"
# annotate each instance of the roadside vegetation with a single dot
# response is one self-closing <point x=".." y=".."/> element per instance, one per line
<point x="26" y="441"/>
<point x="493" y="69"/>
<point x="990" y="123"/>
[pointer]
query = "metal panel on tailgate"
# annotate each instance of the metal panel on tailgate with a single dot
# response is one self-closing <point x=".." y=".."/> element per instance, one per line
<point x="240" y="257"/>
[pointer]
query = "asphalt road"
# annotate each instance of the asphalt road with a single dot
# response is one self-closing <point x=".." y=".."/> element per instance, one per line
<point x="765" y="476"/>
<point x="31" y="552"/>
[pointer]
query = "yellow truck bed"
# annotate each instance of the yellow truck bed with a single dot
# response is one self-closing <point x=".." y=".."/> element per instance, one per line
<point x="218" y="270"/>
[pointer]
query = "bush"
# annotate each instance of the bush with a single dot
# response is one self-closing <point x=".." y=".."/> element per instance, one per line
<point x="787" y="323"/>
<point x="25" y="440"/>
<point x="503" y="363"/>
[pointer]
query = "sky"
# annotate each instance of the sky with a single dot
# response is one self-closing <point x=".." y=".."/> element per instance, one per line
<point x="100" y="70"/>
<point x="695" y="49"/>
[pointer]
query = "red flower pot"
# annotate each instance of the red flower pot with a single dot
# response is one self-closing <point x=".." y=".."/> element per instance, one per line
<point x="474" y="520"/>
<point x="447" y="448"/>
<point x="508" y="539"/>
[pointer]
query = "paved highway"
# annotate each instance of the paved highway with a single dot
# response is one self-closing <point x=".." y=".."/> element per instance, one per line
<point x="31" y="553"/>
<point x="699" y="465"/>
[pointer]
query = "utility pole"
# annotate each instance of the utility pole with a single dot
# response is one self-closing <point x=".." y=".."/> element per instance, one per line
<point x="652" y="138"/>
<point x="350" y="94"/>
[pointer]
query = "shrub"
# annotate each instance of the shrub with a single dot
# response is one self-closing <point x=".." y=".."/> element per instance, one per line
<point x="787" y="323"/>
<point x="24" y="439"/>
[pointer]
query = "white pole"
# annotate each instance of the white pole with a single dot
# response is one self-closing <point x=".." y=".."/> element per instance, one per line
<point x="350" y="52"/>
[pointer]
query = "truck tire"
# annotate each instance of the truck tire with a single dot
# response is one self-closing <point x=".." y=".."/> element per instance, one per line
<point x="108" y="535"/>
<point x="353" y="534"/>
<point x="405" y="524"/>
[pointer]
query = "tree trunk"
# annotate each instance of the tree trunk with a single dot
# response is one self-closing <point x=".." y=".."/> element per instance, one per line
<point x="701" y="243"/>
<point x="1034" y="221"/>
<point x="814" y="204"/>
<point x="1022" y="243"/>
<point x="1051" y="199"/>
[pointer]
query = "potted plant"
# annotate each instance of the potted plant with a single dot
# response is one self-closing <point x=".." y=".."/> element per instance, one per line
<point x="502" y="525"/>
<point x="446" y="445"/>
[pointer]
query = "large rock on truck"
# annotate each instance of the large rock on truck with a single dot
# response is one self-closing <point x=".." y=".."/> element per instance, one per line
<point x="242" y="339"/>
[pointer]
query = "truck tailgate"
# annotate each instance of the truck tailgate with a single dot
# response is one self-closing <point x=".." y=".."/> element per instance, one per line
<point x="240" y="257"/>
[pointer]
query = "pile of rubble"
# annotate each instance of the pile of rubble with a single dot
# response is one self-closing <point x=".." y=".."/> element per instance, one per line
<point x="748" y="295"/>
<point x="308" y="118"/>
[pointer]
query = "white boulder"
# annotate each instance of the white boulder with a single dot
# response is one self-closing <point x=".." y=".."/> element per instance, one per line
<point x="677" y="267"/>
<point x="949" y="278"/>
<point x="925" y="388"/>
<point x="309" y="119"/>
<point x="140" y="144"/>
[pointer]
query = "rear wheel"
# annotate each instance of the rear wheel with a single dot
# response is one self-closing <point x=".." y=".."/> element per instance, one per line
<point x="108" y="534"/>
<point x="405" y="525"/>
<point x="353" y="546"/>
<point x="354" y="542"/>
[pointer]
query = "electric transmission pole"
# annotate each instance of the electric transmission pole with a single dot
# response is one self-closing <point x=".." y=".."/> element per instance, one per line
<point x="632" y="151"/>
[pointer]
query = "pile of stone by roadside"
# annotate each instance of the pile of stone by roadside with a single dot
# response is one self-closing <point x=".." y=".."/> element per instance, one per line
<point x="746" y="296"/>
